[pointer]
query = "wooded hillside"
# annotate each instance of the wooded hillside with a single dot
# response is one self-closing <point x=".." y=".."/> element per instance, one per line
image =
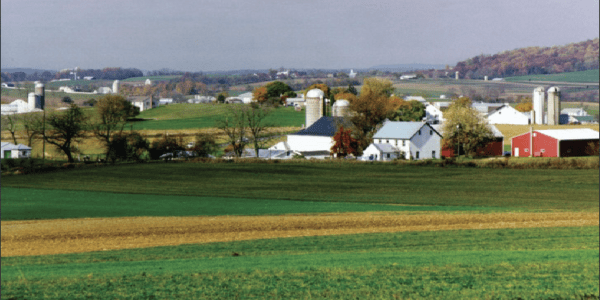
<point x="532" y="60"/>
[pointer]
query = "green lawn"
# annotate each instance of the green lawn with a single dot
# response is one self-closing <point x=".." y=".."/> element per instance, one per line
<point x="582" y="76"/>
<point x="527" y="189"/>
<point x="188" y="116"/>
<point x="511" y="263"/>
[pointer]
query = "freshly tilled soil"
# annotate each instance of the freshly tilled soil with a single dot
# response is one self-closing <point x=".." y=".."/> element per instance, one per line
<point x="42" y="237"/>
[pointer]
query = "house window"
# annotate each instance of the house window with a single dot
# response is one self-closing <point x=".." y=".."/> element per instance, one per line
<point x="403" y="142"/>
<point x="387" y="141"/>
<point x="543" y="150"/>
<point x="388" y="155"/>
<point x="419" y="131"/>
<point x="417" y="155"/>
<point x="432" y="154"/>
<point x="430" y="132"/>
<point x="396" y="142"/>
<point x="526" y="149"/>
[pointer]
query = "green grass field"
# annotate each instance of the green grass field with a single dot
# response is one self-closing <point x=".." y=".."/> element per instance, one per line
<point x="189" y="116"/>
<point x="582" y="76"/>
<point x="527" y="263"/>
<point x="382" y="183"/>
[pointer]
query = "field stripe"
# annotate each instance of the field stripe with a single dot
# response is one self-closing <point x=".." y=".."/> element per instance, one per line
<point x="304" y="261"/>
<point x="42" y="237"/>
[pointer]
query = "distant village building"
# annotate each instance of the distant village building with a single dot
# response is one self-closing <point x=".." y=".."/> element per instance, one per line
<point x="165" y="101"/>
<point x="202" y="99"/>
<point x="415" y="98"/>
<point x="148" y="82"/>
<point x="507" y="114"/>
<point x="89" y="77"/>
<point x="352" y="74"/>
<point x="408" y="76"/>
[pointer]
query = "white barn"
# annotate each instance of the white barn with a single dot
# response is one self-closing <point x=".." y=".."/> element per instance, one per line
<point x="15" y="151"/>
<point x="433" y="114"/>
<point x="412" y="139"/>
<point x="508" y="115"/>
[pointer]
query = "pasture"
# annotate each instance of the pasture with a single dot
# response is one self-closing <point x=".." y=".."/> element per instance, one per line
<point x="581" y="76"/>
<point x="189" y="116"/>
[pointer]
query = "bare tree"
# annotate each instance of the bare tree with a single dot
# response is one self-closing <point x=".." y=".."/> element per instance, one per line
<point x="255" y="117"/>
<point x="64" y="129"/>
<point x="9" y="123"/>
<point x="112" y="114"/>
<point x="234" y="125"/>
<point x="32" y="123"/>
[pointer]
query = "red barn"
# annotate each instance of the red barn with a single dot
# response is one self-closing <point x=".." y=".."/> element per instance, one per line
<point x="554" y="142"/>
<point x="493" y="148"/>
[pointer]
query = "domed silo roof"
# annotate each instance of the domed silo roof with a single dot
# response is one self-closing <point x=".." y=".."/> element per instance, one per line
<point x="315" y="93"/>
<point x="341" y="102"/>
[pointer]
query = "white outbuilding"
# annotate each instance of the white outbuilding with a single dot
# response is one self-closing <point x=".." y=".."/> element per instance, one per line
<point x="412" y="139"/>
<point x="506" y="114"/>
<point x="15" y="151"/>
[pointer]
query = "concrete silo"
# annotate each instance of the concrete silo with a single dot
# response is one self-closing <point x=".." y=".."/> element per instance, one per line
<point x="538" y="105"/>
<point x="314" y="106"/>
<point x="31" y="101"/>
<point x="341" y="108"/>
<point x="553" y="106"/>
<point x="40" y="95"/>
<point x="115" y="88"/>
<point x="456" y="75"/>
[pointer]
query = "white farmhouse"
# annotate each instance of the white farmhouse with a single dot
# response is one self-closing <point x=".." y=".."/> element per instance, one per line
<point x="143" y="102"/>
<point x="412" y="139"/>
<point x="506" y="114"/>
<point x="15" y="151"/>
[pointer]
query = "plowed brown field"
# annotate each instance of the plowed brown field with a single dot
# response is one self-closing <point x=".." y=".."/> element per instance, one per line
<point x="43" y="237"/>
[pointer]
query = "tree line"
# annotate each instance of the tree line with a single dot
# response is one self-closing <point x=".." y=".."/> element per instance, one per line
<point x="532" y="60"/>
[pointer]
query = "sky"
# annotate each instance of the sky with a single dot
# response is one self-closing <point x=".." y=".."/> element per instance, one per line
<point x="201" y="35"/>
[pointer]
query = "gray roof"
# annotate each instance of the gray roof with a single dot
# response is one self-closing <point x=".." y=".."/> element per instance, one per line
<point x="325" y="126"/>
<point x="400" y="130"/>
<point x="386" y="148"/>
<point x="10" y="146"/>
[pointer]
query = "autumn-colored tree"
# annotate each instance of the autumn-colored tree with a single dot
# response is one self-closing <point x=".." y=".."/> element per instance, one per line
<point x="260" y="94"/>
<point x="344" y="143"/>
<point x="323" y="87"/>
<point x="462" y="102"/>
<point x="345" y="96"/>
<point x="372" y="107"/>
<point x="525" y="104"/>
<point x="409" y="111"/>
<point x="465" y="127"/>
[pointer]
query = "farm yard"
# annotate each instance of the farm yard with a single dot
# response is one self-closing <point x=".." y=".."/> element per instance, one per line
<point x="300" y="230"/>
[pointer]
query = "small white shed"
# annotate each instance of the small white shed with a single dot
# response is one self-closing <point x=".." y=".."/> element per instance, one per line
<point x="15" y="151"/>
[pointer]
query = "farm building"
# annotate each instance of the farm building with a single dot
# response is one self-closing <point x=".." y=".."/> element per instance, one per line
<point x="433" y="115"/>
<point x="316" y="140"/>
<point x="412" y="139"/>
<point x="506" y="114"/>
<point x="381" y="152"/>
<point x="554" y="142"/>
<point x="574" y="112"/>
<point x="143" y="102"/>
<point x="15" y="151"/>
<point x="493" y="148"/>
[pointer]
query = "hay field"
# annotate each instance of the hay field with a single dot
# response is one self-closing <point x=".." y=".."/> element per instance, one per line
<point x="44" y="237"/>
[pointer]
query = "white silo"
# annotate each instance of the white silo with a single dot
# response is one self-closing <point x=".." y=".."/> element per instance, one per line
<point x="485" y="78"/>
<point x="314" y="106"/>
<point x="40" y="95"/>
<point x="115" y="88"/>
<point x="553" y="106"/>
<point x="31" y="101"/>
<point x="538" y="105"/>
<point x="456" y="75"/>
<point x="341" y="108"/>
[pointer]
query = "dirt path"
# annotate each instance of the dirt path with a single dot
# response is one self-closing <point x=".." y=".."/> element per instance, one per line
<point x="84" y="235"/>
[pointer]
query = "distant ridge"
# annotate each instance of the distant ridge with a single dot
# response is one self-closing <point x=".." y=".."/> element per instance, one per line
<point x="27" y="71"/>
<point x="407" y="67"/>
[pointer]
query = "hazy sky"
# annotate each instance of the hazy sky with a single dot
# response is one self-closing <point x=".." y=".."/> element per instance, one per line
<point x="193" y="35"/>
